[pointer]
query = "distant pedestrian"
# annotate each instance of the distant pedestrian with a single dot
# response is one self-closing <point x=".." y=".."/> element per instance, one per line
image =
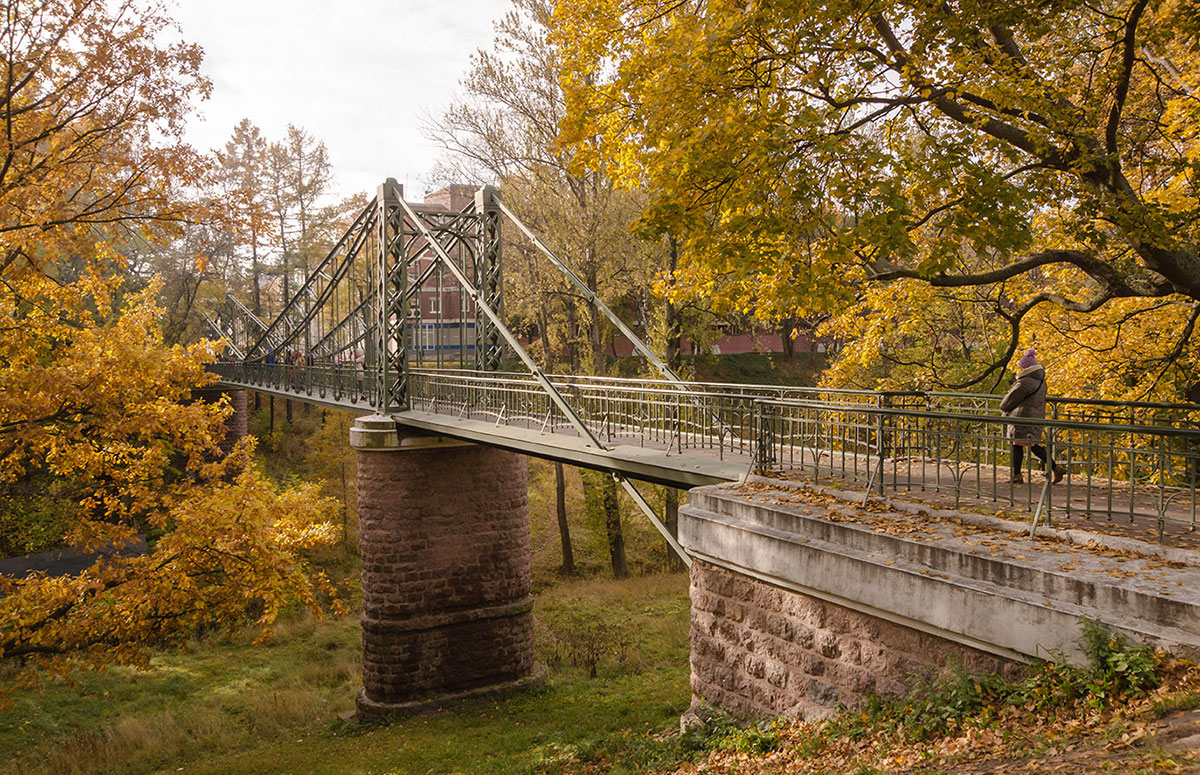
<point x="1027" y="398"/>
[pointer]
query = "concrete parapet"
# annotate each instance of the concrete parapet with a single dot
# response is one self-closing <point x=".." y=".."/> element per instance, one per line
<point x="910" y="594"/>
<point x="444" y="535"/>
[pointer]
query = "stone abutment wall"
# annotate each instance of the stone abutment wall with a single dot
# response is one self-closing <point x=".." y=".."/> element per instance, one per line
<point x="804" y="600"/>
<point x="759" y="649"/>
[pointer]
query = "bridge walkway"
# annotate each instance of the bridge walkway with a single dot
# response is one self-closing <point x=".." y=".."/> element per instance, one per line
<point x="721" y="433"/>
<point x="352" y="336"/>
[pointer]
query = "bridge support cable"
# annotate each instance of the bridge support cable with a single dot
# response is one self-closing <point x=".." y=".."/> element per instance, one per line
<point x="228" y="339"/>
<point x="594" y="299"/>
<point x="321" y="284"/>
<point x="483" y="305"/>
<point x="328" y="346"/>
<point x="648" y="510"/>
<point x="237" y="325"/>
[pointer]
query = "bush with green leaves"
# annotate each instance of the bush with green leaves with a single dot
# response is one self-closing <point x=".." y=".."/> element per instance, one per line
<point x="723" y="732"/>
<point x="1116" y="669"/>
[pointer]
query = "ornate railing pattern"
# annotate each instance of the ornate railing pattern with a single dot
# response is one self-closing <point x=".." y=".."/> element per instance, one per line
<point x="1135" y="471"/>
<point x="883" y="442"/>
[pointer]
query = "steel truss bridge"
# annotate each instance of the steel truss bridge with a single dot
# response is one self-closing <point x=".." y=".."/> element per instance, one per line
<point x="348" y="336"/>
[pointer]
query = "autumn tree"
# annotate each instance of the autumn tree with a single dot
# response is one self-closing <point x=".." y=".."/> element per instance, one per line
<point x="92" y="401"/>
<point x="298" y="175"/>
<point x="1034" y="164"/>
<point x="243" y="176"/>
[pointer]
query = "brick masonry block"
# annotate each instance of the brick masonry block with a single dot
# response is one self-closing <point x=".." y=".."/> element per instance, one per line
<point x="761" y="650"/>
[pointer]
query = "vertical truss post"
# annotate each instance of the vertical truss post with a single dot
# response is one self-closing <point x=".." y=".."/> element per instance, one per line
<point x="391" y="278"/>
<point x="488" y="279"/>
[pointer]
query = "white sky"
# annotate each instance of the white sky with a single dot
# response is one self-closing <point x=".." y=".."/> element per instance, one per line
<point x="357" y="74"/>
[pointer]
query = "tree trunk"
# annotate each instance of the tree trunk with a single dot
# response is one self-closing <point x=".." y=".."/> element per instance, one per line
<point x="612" y="523"/>
<point x="272" y="414"/>
<point x="787" y="331"/>
<point x="603" y="507"/>
<point x="595" y="328"/>
<point x="564" y="530"/>
<point x="671" y="518"/>
<point x="284" y="259"/>
<point x="287" y="404"/>
<point x="572" y="336"/>
<point x="256" y="270"/>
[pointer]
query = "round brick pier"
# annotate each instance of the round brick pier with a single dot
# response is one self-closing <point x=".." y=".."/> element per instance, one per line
<point x="444" y="535"/>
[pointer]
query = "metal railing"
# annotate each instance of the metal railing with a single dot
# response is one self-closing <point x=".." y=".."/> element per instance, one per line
<point x="347" y="384"/>
<point x="1132" y="471"/>
<point x="1130" y="468"/>
<point x="649" y="415"/>
<point x="1058" y="407"/>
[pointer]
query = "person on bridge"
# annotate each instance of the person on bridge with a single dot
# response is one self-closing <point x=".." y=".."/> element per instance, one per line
<point x="1027" y="398"/>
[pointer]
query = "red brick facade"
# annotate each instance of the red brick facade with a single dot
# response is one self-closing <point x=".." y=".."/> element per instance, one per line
<point x="758" y="649"/>
<point x="447" y="610"/>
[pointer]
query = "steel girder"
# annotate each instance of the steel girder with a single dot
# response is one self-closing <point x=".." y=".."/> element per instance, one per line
<point x="489" y="279"/>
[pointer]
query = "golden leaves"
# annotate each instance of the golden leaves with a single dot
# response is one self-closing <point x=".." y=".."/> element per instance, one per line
<point x="93" y="401"/>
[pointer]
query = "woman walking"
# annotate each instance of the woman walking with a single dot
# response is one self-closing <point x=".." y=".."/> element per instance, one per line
<point x="1027" y="398"/>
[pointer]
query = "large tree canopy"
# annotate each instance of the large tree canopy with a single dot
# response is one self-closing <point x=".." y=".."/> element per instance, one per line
<point x="1010" y="156"/>
<point x="95" y="410"/>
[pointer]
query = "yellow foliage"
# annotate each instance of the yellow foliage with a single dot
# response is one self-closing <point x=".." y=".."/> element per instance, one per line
<point x="1034" y="165"/>
<point x="90" y="398"/>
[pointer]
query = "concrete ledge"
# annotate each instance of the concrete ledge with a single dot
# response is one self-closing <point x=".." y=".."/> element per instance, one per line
<point x="1065" y="535"/>
<point x="1002" y="593"/>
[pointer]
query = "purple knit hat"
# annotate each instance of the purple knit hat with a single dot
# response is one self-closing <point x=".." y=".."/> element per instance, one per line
<point x="1028" y="359"/>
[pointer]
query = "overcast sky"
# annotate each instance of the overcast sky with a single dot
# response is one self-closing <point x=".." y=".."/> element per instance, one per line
<point x="357" y="74"/>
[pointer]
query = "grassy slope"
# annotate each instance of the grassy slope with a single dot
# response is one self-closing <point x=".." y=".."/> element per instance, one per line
<point x="229" y="707"/>
<point x="224" y="705"/>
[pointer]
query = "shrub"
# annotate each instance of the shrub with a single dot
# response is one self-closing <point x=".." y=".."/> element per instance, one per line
<point x="587" y="639"/>
<point x="1116" y="670"/>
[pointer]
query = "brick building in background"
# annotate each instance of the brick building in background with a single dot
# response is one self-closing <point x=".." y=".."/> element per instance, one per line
<point x="441" y="314"/>
<point x="442" y="317"/>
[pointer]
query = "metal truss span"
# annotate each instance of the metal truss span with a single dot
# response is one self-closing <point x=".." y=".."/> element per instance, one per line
<point x="405" y="318"/>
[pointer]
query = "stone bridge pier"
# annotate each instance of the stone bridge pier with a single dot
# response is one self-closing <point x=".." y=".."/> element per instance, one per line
<point x="444" y="536"/>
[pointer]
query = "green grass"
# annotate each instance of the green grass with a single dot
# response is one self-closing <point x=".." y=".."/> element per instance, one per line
<point x="226" y="706"/>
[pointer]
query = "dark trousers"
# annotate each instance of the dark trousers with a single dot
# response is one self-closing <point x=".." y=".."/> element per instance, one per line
<point x="1018" y="456"/>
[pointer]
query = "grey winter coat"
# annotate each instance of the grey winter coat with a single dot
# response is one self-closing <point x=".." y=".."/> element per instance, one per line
<point x="1026" y="398"/>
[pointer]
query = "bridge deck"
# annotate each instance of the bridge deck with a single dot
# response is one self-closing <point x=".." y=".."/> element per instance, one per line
<point x="1147" y="510"/>
<point x="648" y="463"/>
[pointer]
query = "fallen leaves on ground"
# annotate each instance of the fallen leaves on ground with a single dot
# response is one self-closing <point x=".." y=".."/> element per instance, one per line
<point x="1156" y="733"/>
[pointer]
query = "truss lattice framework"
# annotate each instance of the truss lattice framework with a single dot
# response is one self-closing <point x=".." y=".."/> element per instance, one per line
<point x="355" y="310"/>
<point x="384" y="293"/>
